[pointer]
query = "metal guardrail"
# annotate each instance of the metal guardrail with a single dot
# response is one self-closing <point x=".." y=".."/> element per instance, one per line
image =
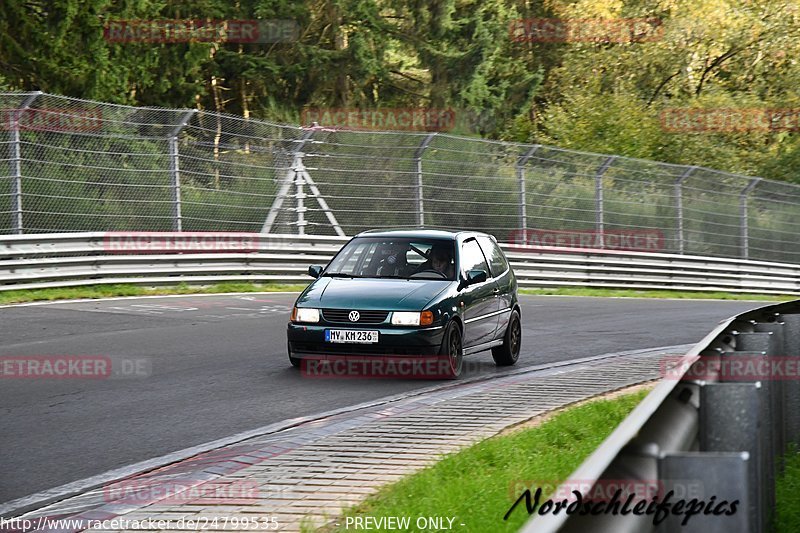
<point x="708" y="431"/>
<point x="74" y="259"/>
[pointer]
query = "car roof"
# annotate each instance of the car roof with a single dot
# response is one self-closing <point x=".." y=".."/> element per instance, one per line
<point x="422" y="233"/>
<point x="419" y="233"/>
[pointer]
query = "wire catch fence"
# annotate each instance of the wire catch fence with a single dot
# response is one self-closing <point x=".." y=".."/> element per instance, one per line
<point x="76" y="165"/>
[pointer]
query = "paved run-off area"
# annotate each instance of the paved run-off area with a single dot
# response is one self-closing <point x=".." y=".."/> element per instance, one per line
<point x="307" y="474"/>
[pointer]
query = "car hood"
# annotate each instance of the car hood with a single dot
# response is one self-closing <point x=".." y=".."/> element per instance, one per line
<point x="383" y="294"/>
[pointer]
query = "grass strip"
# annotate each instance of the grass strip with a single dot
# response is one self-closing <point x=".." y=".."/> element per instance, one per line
<point x="632" y="293"/>
<point x="787" y="494"/>
<point x="479" y="484"/>
<point x="110" y="291"/>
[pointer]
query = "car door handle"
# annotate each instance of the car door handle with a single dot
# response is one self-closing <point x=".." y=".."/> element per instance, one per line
<point x="496" y="291"/>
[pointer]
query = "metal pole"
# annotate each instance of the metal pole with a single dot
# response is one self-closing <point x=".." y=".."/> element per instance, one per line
<point x="745" y="237"/>
<point x="420" y="196"/>
<point x="288" y="180"/>
<point x="523" y="213"/>
<point x="322" y="203"/>
<point x="174" y="170"/>
<point x="16" y="165"/>
<point x="598" y="199"/>
<point x="679" y="205"/>
<point x="300" y="196"/>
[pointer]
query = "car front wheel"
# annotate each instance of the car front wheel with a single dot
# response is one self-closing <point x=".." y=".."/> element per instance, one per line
<point x="452" y="350"/>
<point x="507" y="353"/>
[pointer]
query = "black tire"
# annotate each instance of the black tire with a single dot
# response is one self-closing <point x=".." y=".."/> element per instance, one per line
<point x="294" y="360"/>
<point x="508" y="353"/>
<point x="453" y="349"/>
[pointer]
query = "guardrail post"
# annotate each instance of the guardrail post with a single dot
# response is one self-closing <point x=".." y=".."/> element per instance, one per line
<point x="725" y="475"/>
<point x="777" y="382"/>
<point x="174" y="170"/>
<point x="763" y="345"/>
<point x="791" y="388"/>
<point x="731" y="420"/>
<point x="599" y="200"/>
<point x="420" y="194"/>
<point x="743" y="208"/>
<point x="523" y="215"/>
<point x="16" y="165"/>
<point x="679" y="207"/>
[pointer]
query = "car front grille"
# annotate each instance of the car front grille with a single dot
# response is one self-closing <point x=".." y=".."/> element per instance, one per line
<point x="365" y="317"/>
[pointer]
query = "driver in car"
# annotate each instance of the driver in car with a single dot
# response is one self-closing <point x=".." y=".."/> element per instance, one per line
<point x="440" y="259"/>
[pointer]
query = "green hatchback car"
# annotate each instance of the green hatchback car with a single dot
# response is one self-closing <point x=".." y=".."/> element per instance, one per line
<point x="408" y="294"/>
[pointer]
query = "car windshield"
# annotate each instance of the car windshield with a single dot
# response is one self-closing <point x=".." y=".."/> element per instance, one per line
<point x="398" y="258"/>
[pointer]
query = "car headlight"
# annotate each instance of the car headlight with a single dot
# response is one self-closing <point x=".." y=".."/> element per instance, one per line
<point x="305" y="314"/>
<point x="404" y="318"/>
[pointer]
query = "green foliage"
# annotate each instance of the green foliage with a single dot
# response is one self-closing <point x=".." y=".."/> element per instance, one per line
<point x="603" y="123"/>
<point x="729" y="54"/>
<point x="787" y="494"/>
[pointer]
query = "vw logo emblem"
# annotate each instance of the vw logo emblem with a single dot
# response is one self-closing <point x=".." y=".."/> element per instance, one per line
<point x="354" y="316"/>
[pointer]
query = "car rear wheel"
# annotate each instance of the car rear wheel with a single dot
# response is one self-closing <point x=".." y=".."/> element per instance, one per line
<point x="507" y="353"/>
<point x="453" y="350"/>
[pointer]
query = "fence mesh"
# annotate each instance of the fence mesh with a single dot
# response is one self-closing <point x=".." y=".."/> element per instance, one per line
<point x="76" y="165"/>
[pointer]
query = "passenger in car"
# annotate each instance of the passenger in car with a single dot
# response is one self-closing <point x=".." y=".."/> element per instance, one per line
<point x="393" y="261"/>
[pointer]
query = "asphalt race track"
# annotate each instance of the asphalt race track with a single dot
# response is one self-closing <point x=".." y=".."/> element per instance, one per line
<point x="212" y="366"/>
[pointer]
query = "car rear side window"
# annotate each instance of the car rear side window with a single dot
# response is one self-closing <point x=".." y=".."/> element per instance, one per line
<point x="497" y="261"/>
<point x="472" y="257"/>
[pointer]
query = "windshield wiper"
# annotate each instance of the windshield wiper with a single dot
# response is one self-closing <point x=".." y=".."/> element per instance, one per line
<point x="340" y="275"/>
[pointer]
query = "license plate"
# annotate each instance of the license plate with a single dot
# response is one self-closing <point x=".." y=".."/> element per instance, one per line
<point x="351" y="335"/>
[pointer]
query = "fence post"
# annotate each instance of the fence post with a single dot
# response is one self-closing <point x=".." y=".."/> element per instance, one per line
<point x="523" y="215"/>
<point x="598" y="200"/>
<point x="16" y="165"/>
<point x="679" y="205"/>
<point x="418" y="160"/>
<point x="174" y="170"/>
<point x="743" y="208"/>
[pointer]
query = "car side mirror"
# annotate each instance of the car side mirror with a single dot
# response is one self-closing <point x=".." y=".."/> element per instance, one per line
<point x="314" y="271"/>
<point x="476" y="276"/>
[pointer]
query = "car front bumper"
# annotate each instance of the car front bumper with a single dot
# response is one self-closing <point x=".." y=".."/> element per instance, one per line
<point x="308" y="341"/>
